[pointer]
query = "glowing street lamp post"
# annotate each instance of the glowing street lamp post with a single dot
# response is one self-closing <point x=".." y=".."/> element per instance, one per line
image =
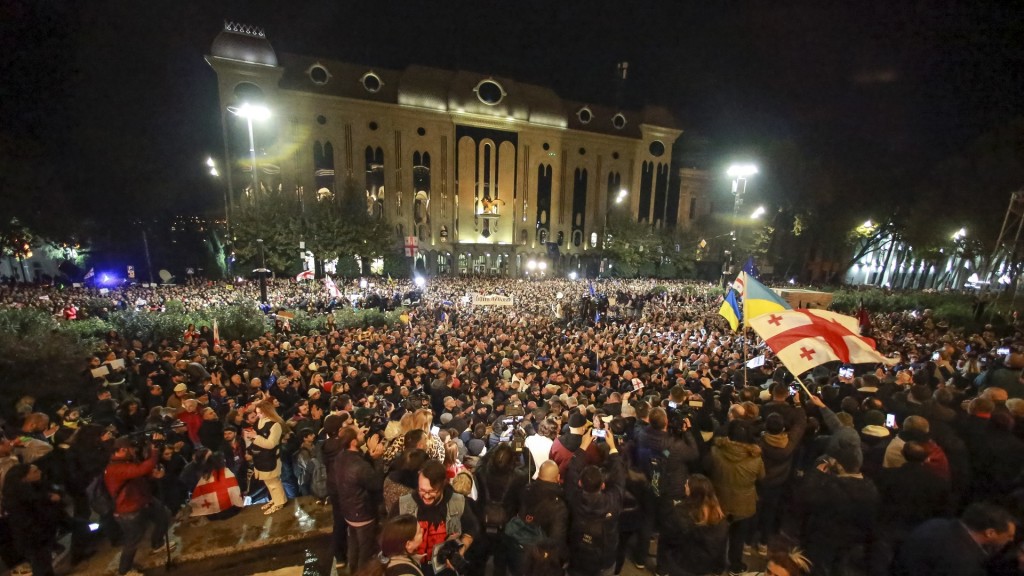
<point x="739" y="174"/>
<point x="250" y="112"/>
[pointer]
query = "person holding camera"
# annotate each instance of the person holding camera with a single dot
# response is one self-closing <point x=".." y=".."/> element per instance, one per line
<point x="135" y="508"/>
<point x="595" y="505"/>
<point x="664" y="457"/>
<point x="442" y="514"/>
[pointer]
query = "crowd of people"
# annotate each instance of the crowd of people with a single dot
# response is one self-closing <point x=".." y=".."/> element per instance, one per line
<point x="581" y="427"/>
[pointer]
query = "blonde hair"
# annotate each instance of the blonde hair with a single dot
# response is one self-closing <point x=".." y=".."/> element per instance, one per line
<point x="792" y="560"/>
<point x="267" y="409"/>
<point x="422" y="419"/>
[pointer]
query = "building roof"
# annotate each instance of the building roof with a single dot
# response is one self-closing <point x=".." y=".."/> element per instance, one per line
<point x="243" y="43"/>
<point x="462" y="91"/>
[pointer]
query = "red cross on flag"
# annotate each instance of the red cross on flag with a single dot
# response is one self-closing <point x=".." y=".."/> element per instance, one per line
<point x="216" y="493"/>
<point x="803" y="339"/>
<point x="411" y="244"/>
<point x="332" y="288"/>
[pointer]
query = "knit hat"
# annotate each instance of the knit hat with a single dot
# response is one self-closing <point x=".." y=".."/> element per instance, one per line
<point x="181" y="388"/>
<point x="846" y="450"/>
<point x="476" y="447"/>
<point x="313" y="391"/>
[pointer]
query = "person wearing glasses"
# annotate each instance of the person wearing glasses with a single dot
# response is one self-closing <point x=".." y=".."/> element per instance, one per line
<point x="442" y="514"/>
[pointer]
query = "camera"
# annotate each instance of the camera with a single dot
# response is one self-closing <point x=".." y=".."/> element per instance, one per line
<point x="447" y="553"/>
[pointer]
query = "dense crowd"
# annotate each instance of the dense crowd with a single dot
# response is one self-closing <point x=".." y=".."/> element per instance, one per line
<point x="585" y="426"/>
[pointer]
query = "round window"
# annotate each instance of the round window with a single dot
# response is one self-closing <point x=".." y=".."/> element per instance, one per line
<point x="373" y="125"/>
<point x="319" y="75"/>
<point x="421" y="131"/>
<point x="489" y="92"/>
<point x="321" y="119"/>
<point x="547" y="146"/>
<point x="371" y="82"/>
<point x="657" y="148"/>
<point x="248" y="92"/>
<point x="615" y="155"/>
<point x="585" y="115"/>
<point x="583" y="151"/>
<point x="619" y="121"/>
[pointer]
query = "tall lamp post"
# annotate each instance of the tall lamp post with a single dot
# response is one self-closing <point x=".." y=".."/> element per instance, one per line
<point x="739" y="174"/>
<point x="255" y="112"/>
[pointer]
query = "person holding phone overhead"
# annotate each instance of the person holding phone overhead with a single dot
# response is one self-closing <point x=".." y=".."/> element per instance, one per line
<point x="265" y="451"/>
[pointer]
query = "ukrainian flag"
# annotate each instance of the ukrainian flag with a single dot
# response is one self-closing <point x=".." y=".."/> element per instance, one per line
<point x="730" y="310"/>
<point x="758" y="299"/>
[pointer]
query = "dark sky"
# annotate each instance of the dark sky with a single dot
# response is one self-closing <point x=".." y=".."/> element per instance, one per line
<point x="118" y="107"/>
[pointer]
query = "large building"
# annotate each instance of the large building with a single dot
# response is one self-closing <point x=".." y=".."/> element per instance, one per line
<point x="487" y="173"/>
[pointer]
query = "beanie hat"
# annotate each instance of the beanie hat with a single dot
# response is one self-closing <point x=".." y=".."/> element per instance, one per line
<point x="476" y="447"/>
<point x="845" y="448"/>
<point x="446" y="418"/>
<point x="874" y="418"/>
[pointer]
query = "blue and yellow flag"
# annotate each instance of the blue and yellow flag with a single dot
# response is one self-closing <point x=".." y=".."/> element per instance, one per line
<point x="730" y="310"/>
<point x="758" y="299"/>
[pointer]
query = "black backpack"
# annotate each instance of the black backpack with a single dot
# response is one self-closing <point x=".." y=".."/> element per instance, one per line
<point x="495" y="516"/>
<point x="592" y="541"/>
<point x="520" y="535"/>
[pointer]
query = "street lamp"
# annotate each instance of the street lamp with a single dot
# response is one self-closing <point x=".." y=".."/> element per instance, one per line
<point x="758" y="212"/>
<point x="255" y="112"/>
<point x="739" y="174"/>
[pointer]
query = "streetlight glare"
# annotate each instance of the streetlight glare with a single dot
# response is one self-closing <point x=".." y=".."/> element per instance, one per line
<point x="742" y="170"/>
<point x="960" y="234"/>
<point x="251" y="111"/>
<point x="213" y="172"/>
<point x="209" y="161"/>
<point x="758" y="213"/>
<point x="867" y="224"/>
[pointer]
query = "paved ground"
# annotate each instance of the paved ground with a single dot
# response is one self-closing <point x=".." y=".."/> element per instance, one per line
<point x="293" y="542"/>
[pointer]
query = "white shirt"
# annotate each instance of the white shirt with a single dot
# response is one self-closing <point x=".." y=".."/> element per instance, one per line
<point x="540" y="448"/>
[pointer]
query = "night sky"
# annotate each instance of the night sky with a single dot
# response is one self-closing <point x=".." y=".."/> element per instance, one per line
<point x="111" y="106"/>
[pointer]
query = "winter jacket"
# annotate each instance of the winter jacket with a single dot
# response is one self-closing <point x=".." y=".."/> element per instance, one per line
<point x="127" y="484"/>
<point x="589" y="509"/>
<point x="778" y="450"/>
<point x="838" y="510"/>
<point x="690" y="548"/>
<point x="675" y="454"/>
<point x="359" y="485"/>
<point x="735" y="469"/>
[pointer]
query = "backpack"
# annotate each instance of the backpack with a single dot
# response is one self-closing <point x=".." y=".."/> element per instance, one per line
<point x="654" y="471"/>
<point x="519" y="536"/>
<point x="495" y="516"/>
<point x="592" y="543"/>
<point x="318" y="484"/>
<point x="100" y="500"/>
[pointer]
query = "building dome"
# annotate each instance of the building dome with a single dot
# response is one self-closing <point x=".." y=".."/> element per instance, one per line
<point x="243" y="43"/>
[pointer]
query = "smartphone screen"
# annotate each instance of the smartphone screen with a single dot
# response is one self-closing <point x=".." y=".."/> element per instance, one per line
<point x="434" y="430"/>
<point x="672" y="404"/>
<point x="1003" y="351"/>
<point x="890" y="420"/>
<point x="599" y="433"/>
<point x="935" y="356"/>
<point x="846" y="372"/>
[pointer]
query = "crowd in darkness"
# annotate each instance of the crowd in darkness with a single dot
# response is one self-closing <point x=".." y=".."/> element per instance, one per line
<point x="583" y="427"/>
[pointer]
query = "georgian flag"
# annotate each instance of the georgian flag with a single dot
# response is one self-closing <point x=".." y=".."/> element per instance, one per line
<point x="332" y="288"/>
<point x="216" y="493"/>
<point x="804" y="339"/>
<point x="304" y="275"/>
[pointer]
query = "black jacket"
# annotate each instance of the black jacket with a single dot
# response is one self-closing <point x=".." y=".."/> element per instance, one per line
<point x="910" y="495"/>
<point x="838" y="510"/>
<point x="778" y="457"/>
<point x="590" y="509"/>
<point x="692" y="549"/>
<point x="545" y="502"/>
<point x="940" y="547"/>
<point x="675" y="452"/>
<point x="358" y="485"/>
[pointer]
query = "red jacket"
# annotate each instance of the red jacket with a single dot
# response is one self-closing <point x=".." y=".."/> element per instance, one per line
<point x="192" y="420"/>
<point x="136" y="494"/>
